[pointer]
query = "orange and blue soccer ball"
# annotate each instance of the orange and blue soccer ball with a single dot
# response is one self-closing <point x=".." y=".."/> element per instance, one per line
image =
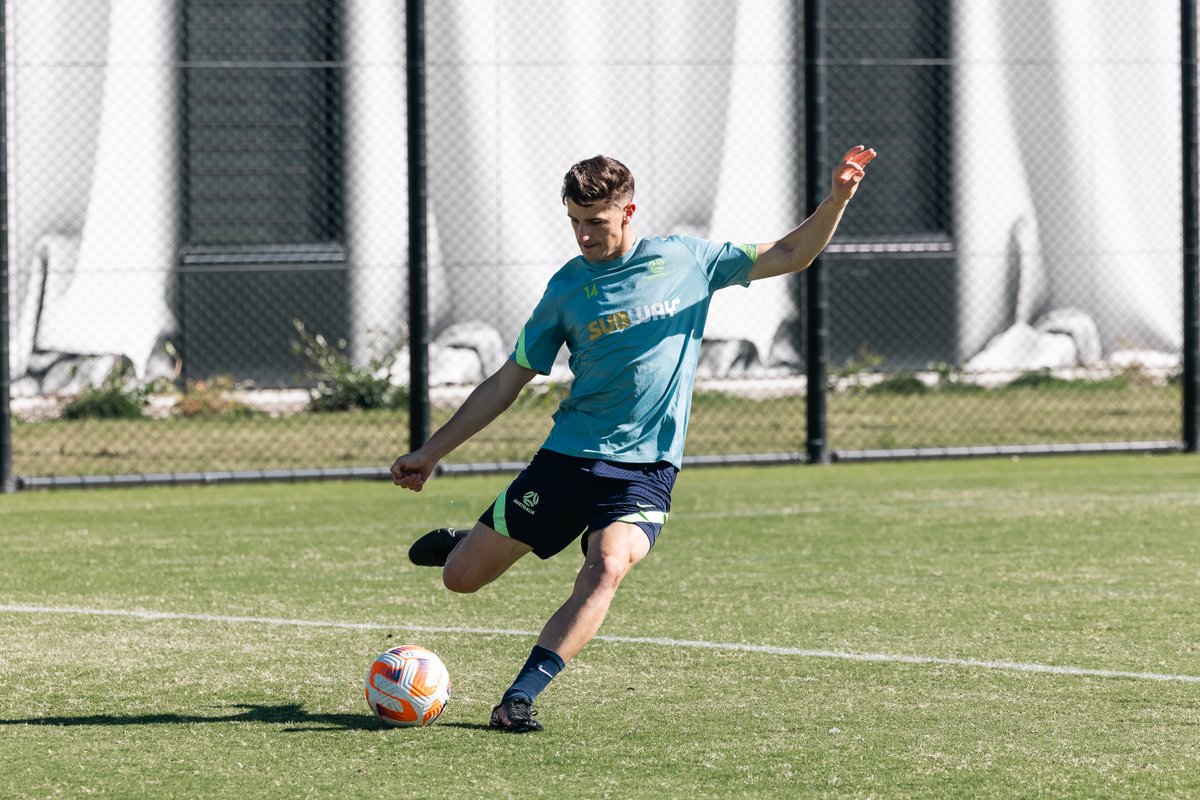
<point x="408" y="687"/>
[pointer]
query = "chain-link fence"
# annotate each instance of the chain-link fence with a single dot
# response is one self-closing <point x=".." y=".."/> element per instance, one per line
<point x="208" y="205"/>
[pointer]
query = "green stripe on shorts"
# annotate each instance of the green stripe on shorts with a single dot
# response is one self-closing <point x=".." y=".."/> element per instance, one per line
<point x="498" y="514"/>
<point x="653" y="517"/>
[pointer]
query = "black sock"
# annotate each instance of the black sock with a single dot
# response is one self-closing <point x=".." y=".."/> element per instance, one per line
<point x="541" y="667"/>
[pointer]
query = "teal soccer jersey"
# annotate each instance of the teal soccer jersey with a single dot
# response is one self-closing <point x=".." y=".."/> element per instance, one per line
<point x="633" y="327"/>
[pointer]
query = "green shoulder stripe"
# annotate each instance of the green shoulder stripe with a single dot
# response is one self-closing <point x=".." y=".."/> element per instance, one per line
<point x="522" y="359"/>
<point x="751" y="250"/>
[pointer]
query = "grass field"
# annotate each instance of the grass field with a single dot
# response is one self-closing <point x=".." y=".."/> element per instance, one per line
<point x="853" y="631"/>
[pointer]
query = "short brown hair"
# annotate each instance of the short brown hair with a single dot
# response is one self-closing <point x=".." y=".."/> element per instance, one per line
<point x="597" y="180"/>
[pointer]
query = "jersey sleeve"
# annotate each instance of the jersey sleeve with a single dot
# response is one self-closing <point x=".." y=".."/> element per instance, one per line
<point x="724" y="263"/>
<point x="541" y="338"/>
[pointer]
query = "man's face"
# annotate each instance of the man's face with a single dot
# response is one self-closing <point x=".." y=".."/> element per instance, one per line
<point x="600" y="228"/>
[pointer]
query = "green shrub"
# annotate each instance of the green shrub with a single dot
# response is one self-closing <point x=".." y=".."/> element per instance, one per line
<point x="899" y="383"/>
<point x="339" y="385"/>
<point x="950" y="380"/>
<point x="211" y="398"/>
<point x="1042" y="380"/>
<point x="850" y="376"/>
<point x="1037" y="379"/>
<point x="118" y="397"/>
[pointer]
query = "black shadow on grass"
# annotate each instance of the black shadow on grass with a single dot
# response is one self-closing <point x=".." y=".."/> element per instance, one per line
<point x="293" y="714"/>
<point x="472" y="726"/>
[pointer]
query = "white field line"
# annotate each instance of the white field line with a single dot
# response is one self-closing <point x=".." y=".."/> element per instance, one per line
<point x="882" y="658"/>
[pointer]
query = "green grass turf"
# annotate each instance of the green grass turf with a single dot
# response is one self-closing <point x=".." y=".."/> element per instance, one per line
<point x="1079" y="562"/>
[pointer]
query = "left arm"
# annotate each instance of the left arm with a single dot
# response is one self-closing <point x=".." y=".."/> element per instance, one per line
<point x="798" y="249"/>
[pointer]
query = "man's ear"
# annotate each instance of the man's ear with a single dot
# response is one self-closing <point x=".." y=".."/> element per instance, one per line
<point x="628" y="213"/>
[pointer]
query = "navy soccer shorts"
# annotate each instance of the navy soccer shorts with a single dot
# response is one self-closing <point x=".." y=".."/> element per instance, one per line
<point x="559" y="497"/>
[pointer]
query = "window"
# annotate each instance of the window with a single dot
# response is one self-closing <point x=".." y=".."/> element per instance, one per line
<point x="889" y="87"/>
<point x="261" y="139"/>
<point x="262" y="162"/>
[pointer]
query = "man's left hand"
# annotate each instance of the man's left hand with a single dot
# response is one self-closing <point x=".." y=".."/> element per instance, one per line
<point x="846" y="175"/>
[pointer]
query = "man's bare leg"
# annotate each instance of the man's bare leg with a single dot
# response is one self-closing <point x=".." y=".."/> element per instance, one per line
<point x="612" y="552"/>
<point x="481" y="558"/>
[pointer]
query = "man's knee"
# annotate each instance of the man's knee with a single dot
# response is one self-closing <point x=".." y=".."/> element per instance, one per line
<point x="460" y="580"/>
<point x="606" y="571"/>
<point x="484" y="556"/>
<point x="612" y="552"/>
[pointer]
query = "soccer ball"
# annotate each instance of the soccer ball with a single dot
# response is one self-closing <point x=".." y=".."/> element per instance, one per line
<point x="408" y="686"/>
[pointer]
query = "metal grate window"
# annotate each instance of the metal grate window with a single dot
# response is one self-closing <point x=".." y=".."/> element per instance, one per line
<point x="262" y="125"/>
<point x="889" y="84"/>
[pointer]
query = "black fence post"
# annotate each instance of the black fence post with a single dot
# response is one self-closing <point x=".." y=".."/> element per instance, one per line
<point x="816" y="332"/>
<point x="1191" y="232"/>
<point x="418" y="254"/>
<point x="7" y="481"/>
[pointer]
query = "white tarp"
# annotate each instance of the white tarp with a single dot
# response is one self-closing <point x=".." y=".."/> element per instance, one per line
<point x="113" y="298"/>
<point x="376" y="171"/>
<point x="50" y="153"/>
<point x="1067" y="180"/>
<point x="756" y="185"/>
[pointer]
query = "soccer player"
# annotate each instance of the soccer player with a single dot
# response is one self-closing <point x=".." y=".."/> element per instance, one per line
<point x="631" y="311"/>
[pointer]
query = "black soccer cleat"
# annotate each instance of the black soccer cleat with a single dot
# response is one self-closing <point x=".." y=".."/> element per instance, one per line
<point x="432" y="549"/>
<point x="515" y="715"/>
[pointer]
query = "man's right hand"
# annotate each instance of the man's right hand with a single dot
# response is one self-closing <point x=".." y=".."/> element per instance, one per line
<point x="410" y="471"/>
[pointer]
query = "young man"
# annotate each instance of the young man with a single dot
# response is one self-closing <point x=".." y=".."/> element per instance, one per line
<point x="631" y="311"/>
